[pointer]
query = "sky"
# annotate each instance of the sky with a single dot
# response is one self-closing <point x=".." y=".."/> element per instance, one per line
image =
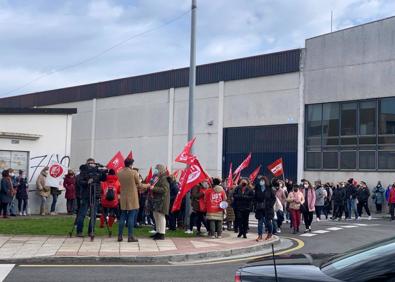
<point x="47" y="44"/>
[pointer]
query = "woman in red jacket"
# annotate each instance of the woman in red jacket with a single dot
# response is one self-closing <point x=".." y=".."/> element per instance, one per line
<point x="69" y="185"/>
<point x="110" y="190"/>
<point x="215" y="214"/>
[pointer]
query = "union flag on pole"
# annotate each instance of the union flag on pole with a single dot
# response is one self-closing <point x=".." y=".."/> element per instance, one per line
<point x="185" y="156"/>
<point x="130" y="156"/>
<point x="277" y="167"/>
<point x="116" y="163"/>
<point x="243" y="165"/>
<point x="190" y="177"/>
<point x="254" y="174"/>
<point x="230" y="177"/>
<point x="149" y="175"/>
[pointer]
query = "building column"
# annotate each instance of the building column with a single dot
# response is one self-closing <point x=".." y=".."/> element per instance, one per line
<point x="67" y="149"/>
<point x="171" y="130"/>
<point x="301" y="120"/>
<point x="220" y="130"/>
<point x="93" y="129"/>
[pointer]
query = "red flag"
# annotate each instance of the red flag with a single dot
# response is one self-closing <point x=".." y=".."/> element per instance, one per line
<point x="277" y="167"/>
<point x="243" y="165"/>
<point x="230" y="177"/>
<point x="116" y="163"/>
<point x="254" y="174"/>
<point x="149" y="175"/>
<point x="185" y="155"/>
<point x="190" y="177"/>
<point x="130" y="156"/>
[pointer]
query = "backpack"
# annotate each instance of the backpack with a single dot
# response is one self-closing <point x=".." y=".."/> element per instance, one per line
<point x="110" y="193"/>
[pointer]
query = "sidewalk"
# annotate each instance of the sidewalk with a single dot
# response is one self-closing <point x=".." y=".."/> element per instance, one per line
<point x="34" y="249"/>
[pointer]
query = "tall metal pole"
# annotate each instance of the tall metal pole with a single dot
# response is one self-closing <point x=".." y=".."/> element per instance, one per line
<point x="192" y="82"/>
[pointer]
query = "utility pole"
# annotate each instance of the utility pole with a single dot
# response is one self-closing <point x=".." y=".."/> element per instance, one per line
<point x="192" y="83"/>
<point x="331" y="21"/>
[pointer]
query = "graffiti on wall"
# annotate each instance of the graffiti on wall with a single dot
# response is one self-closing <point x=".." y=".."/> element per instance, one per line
<point x="37" y="163"/>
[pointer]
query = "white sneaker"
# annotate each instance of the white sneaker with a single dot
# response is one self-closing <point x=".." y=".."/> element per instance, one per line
<point x="370" y="217"/>
<point x="318" y="220"/>
<point x="278" y="230"/>
<point x="152" y="231"/>
<point x="53" y="213"/>
<point x="24" y="214"/>
<point x="188" y="232"/>
<point x="20" y="213"/>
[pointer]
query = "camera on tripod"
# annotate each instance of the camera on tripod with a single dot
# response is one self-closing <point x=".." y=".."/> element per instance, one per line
<point x="96" y="173"/>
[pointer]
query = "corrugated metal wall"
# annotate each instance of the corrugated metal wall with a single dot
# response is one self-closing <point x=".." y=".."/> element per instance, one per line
<point x="262" y="65"/>
<point x="267" y="143"/>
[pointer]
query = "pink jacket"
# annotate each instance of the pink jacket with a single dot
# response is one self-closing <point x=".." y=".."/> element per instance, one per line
<point x="310" y="196"/>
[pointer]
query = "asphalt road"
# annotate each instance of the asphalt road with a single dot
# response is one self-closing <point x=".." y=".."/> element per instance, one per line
<point x="338" y="239"/>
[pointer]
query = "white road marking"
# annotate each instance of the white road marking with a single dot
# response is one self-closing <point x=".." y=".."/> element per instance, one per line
<point x="361" y="224"/>
<point x="5" y="269"/>
<point x="349" y="226"/>
<point x="320" y="231"/>
<point x="308" y="235"/>
<point x="334" y="228"/>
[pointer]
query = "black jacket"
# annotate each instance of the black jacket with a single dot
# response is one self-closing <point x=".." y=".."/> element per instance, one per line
<point x="264" y="202"/>
<point x="339" y="196"/>
<point x="83" y="189"/>
<point x="243" y="201"/>
<point x="363" y="194"/>
<point x="351" y="191"/>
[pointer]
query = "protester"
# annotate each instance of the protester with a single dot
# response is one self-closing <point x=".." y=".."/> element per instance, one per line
<point x="69" y="184"/>
<point x="363" y="195"/>
<point x="215" y="214"/>
<point x="43" y="190"/>
<point x="378" y="197"/>
<point x="308" y="207"/>
<point x="391" y="201"/>
<point x="173" y="194"/>
<point x="198" y="203"/>
<point x="160" y="201"/>
<point x="328" y="199"/>
<point x="13" y="205"/>
<point x="110" y="190"/>
<point x="321" y="195"/>
<point x="296" y="200"/>
<point x="339" y="201"/>
<point x="230" y="213"/>
<point x="265" y="199"/>
<point x="278" y="216"/>
<point x="6" y="193"/>
<point x="22" y="194"/>
<point x="243" y="198"/>
<point x="55" y="192"/>
<point x="351" y="195"/>
<point x="129" y="202"/>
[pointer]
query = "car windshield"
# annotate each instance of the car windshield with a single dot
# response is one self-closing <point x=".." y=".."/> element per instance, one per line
<point x="359" y="256"/>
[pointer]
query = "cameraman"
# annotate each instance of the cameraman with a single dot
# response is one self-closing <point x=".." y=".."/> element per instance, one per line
<point x="89" y="184"/>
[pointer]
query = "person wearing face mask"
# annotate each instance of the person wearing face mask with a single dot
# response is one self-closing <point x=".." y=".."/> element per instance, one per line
<point x="264" y="202"/>
<point x="339" y="199"/>
<point x="12" y="206"/>
<point x="43" y="190"/>
<point x="378" y="197"/>
<point x="308" y="206"/>
<point x="243" y="197"/>
<point x="198" y="208"/>
<point x="22" y="193"/>
<point x="363" y="197"/>
<point x="295" y="200"/>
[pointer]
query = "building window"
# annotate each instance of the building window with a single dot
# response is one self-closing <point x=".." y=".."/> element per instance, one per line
<point x="349" y="119"/>
<point x="352" y="135"/>
<point x="14" y="159"/>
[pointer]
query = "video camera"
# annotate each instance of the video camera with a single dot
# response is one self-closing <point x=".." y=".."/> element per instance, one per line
<point x="97" y="173"/>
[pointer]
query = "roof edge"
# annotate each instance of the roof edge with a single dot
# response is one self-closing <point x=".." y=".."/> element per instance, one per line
<point x="38" y="111"/>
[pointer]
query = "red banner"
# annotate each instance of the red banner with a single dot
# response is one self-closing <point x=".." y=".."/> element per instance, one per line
<point x="230" y="177"/>
<point x="254" y="174"/>
<point x="185" y="156"/>
<point x="190" y="177"/>
<point x="130" y="156"/>
<point x="243" y="165"/>
<point x="149" y="175"/>
<point x="116" y="163"/>
<point x="277" y="167"/>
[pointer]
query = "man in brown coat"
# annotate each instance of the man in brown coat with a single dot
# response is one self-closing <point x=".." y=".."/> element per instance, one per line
<point x="129" y="199"/>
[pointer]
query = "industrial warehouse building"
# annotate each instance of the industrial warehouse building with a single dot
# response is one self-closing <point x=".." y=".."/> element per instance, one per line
<point x="328" y="110"/>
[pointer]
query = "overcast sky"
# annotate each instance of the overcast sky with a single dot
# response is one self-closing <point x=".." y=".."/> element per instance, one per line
<point x="43" y="36"/>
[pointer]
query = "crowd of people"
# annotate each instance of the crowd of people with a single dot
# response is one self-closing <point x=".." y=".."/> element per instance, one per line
<point x="125" y="197"/>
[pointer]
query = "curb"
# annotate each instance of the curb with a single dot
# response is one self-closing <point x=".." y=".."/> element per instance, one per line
<point x="165" y="259"/>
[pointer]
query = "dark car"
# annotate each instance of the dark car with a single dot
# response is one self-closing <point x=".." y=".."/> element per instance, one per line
<point x="375" y="262"/>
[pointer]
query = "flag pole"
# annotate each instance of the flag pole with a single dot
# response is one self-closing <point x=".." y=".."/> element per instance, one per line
<point x="192" y="82"/>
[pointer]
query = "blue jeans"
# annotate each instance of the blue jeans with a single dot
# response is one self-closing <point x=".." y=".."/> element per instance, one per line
<point x="352" y="206"/>
<point x="130" y="217"/>
<point x="84" y="206"/>
<point x="268" y="225"/>
<point x="54" y="201"/>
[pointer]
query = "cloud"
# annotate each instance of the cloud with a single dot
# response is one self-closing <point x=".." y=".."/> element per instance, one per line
<point x="43" y="35"/>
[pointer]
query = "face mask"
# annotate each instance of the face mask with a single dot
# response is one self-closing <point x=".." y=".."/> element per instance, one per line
<point x="262" y="182"/>
<point x="306" y="186"/>
<point x="281" y="185"/>
<point x="12" y="174"/>
<point x="155" y="172"/>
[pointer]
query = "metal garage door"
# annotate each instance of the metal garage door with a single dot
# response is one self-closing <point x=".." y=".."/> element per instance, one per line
<point x="266" y="143"/>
